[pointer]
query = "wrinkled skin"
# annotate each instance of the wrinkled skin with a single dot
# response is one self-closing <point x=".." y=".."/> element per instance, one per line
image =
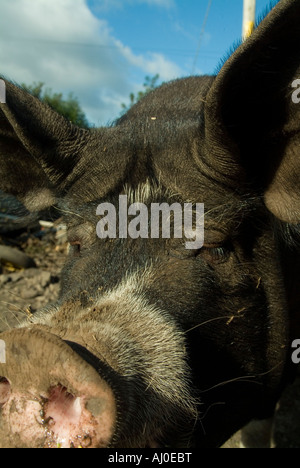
<point x="151" y="344"/>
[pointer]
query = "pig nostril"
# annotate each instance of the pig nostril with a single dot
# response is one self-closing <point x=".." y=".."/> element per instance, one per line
<point x="5" y="390"/>
<point x="62" y="413"/>
<point x="62" y="405"/>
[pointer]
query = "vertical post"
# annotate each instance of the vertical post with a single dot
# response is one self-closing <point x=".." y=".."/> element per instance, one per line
<point x="249" y="18"/>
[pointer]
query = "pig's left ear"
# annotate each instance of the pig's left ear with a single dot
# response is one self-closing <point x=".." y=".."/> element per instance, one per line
<point x="252" y="114"/>
<point x="39" y="150"/>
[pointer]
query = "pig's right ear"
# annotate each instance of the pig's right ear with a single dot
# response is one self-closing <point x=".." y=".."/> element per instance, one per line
<point x="252" y="115"/>
<point x="39" y="150"/>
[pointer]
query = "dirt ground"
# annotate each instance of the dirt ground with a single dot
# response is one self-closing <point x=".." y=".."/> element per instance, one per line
<point x="23" y="292"/>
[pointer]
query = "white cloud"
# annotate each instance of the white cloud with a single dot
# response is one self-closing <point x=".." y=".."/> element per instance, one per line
<point x="61" y="43"/>
<point x="151" y="63"/>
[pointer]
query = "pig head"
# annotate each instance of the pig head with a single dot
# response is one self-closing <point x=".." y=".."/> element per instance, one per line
<point x="151" y="344"/>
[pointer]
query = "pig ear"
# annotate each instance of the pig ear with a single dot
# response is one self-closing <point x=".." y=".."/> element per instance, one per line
<point x="253" y="112"/>
<point x="39" y="150"/>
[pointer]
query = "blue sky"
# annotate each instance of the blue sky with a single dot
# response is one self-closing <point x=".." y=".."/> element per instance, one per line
<point x="103" y="49"/>
<point x="172" y="28"/>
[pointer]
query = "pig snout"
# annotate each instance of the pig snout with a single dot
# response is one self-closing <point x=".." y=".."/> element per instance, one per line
<point x="50" y="396"/>
<point x="123" y="384"/>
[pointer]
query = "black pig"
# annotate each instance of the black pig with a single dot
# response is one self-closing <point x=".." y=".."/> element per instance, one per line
<point x="152" y="344"/>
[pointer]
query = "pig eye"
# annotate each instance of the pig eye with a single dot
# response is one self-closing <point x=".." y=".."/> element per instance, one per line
<point x="215" y="254"/>
<point x="80" y="238"/>
<point x="75" y="248"/>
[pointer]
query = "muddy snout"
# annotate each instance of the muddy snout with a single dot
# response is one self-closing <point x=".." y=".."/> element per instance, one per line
<point x="50" y="396"/>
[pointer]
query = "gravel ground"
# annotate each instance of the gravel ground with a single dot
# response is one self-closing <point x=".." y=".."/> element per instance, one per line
<point x="23" y="292"/>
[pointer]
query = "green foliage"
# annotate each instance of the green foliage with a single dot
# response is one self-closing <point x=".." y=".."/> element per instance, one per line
<point x="69" y="108"/>
<point x="149" y="84"/>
